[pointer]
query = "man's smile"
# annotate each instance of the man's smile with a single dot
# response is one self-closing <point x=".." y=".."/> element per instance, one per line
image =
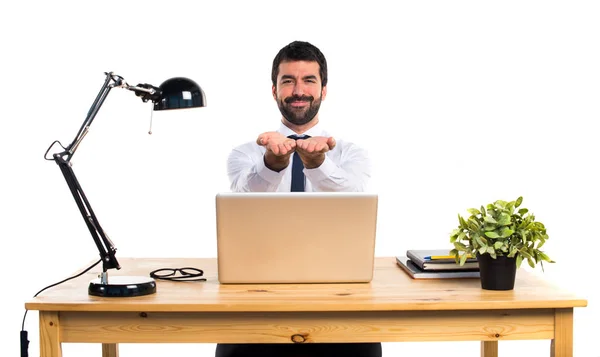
<point x="299" y="103"/>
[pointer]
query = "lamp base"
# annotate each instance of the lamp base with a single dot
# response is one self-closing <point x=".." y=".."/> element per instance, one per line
<point x="123" y="286"/>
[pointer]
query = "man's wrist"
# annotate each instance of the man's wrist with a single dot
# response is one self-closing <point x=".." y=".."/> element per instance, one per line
<point x="276" y="163"/>
<point x="315" y="162"/>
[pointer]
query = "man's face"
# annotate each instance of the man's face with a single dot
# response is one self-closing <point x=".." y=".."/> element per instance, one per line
<point x="298" y="92"/>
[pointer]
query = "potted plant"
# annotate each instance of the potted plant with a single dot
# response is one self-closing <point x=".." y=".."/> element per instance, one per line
<point x="501" y="235"/>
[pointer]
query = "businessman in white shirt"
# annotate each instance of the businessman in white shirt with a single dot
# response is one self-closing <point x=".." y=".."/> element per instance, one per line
<point x="300" y="156"/>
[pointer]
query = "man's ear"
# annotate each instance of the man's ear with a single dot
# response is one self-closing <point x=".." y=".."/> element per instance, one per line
<point x="274" y="90"/>
<point x="323" y="92"/>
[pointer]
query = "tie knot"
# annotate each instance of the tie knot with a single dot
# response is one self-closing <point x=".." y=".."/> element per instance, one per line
<point x="296" y="137"/>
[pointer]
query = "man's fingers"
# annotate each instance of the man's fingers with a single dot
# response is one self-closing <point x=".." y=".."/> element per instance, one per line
<point x="331" y="142"/>
<point x="280" y="149"/>
<point x="289" y="145"/>
<point x="263" y="139"/>
<point x="283" y="149"/>
<point x="312" y="147"/>
<point x="276" y="143"/>
<point x="274" y="149"/>
<point x="301" y="144"/>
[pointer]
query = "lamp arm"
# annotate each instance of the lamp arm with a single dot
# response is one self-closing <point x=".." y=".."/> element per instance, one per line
<point x="105" y="246"/>
<point x="145" y="91"/>
<point x="63" y="159"/>
<point x="112" y="80"/>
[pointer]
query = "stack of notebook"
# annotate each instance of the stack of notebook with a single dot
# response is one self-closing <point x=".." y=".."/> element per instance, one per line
<point x="436" y="264"/>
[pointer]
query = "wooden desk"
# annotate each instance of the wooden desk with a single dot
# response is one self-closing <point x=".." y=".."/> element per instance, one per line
<point x="393" y="307"/>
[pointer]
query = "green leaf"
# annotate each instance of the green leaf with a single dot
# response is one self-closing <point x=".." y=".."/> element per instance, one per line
<point x="473" y="211"/>
<point x="455" y="234"/>
<point x="519" y="260"/>
<point x="460" y="246"/>
<point x="501" y="204"/>
<point x="492" y="235"/>
<point x="463" y="259"/>
<point x="498" y="244"/>
<point x="543" y="256"/>
<point x="454" y="253"/>
<point x="506" y="232"/>
<point x="480" y="240"/>
<point x="510" y="207"/>
<point x="525" y="253"/>
<point x="522" y="211"/>
<point x="519" y="201"/>
<point x="504" y="219"/>
<point x="489" y="227"/>
<point x="490" y="219"/>
<point x="462" y="222"/>
<point x="473" y="225"/>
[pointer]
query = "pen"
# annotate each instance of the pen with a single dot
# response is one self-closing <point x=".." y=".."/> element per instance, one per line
<point x="435" y="257"/>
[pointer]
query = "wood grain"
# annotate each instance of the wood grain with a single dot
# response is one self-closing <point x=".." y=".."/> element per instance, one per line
<point x="392" y="308"/>
<point x="390" y="290"/>
<point x="50" y="335"/>
<point x="110" y="350"/>
<point x="308" y="327"/>
<point x="489" y="348"/>
<point x="562" y="344"/>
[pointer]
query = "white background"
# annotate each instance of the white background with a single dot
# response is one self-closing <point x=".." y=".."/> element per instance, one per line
<point x="460" y="103"/>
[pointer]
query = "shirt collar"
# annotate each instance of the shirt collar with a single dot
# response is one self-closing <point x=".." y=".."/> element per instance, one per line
<point x="314" y="131"/>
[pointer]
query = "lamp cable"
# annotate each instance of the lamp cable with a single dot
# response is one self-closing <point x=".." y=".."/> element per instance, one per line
<point x="24" y="340"/>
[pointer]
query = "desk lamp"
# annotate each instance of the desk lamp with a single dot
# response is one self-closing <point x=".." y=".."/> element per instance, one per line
<point x="174" y="93"/>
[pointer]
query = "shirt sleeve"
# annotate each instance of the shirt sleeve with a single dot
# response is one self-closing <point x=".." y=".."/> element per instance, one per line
<point x="349" y="172"/>
<point x="247" y="171"/>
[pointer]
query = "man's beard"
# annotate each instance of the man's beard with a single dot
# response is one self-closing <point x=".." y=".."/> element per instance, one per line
<point x="299" y="116"/>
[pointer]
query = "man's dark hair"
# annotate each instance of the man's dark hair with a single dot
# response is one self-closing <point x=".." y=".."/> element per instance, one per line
<point x="300" y="51"/>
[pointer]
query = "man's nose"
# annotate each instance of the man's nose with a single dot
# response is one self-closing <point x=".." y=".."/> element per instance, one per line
<point x="298" y="90"/>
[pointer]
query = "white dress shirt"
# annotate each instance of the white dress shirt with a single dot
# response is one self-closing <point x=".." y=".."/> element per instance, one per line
<point x="346" y="168"/>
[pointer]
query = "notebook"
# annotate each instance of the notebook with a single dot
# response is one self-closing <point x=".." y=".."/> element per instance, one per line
<point x="421" y="258"/>
<point x="416" y="273"/>
<point x="296" y="237"/>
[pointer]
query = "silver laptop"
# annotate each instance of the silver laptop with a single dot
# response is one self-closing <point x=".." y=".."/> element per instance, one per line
<point x="296" y="237"/>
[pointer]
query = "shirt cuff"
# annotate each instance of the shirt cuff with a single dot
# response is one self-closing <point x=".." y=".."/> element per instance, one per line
<point x="267" y="174"/>
<point x="322" y="172"/>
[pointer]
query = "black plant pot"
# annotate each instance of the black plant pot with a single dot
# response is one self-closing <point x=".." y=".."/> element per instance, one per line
<point x="497" y="274"/>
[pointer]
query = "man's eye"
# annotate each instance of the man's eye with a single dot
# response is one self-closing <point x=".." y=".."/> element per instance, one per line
<point x="286" y="81"/>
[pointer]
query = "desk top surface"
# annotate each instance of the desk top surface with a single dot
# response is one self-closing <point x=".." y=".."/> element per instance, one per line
<point x="390" y="290"/>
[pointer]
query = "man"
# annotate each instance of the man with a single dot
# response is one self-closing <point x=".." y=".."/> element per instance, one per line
<point x="299" y="77"/>
<point x="299" y="156"/>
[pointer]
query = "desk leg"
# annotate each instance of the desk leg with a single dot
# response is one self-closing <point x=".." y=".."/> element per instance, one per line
<point x="562" y="344"/>
<point x="50" y="334"/>
<point x="489" y="348"/>
<point x="110" y="350"/>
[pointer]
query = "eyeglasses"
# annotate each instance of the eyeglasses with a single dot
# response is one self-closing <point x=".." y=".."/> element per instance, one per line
<point x="185" y="274"/>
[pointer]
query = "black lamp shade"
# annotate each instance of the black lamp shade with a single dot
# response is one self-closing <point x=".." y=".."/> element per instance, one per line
<point x="180" y="92"/>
